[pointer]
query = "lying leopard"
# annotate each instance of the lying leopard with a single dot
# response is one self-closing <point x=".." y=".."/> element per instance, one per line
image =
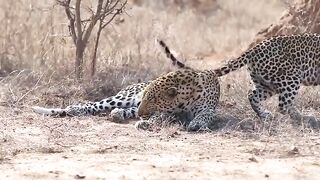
<point x="192" y="92"/>
<point x="191" y="95"/>
<point x="278" y="65"/>
<point x="123" y="105"/>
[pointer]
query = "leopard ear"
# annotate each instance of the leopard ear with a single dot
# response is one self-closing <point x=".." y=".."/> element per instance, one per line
<point x="172" y="92"/>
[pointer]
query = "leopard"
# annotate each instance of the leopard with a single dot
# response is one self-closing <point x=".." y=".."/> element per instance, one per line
<point x="280" y="65"/>
<point x="121" y="106"/>
<point x="277" y="65"/>
<point x="191" y="92"/>
<point x="187" y="93"/>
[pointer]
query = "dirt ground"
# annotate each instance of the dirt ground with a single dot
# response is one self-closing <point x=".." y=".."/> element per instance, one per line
<point x="34" y="147"/>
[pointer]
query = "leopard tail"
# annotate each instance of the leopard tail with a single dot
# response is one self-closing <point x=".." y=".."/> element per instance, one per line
<point x="169" y="55"/>
<point x="232" y="65"/>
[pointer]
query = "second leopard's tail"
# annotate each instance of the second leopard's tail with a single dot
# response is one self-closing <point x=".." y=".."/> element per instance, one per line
<point x="174" y="60"/>
<point x="232" y="65"/>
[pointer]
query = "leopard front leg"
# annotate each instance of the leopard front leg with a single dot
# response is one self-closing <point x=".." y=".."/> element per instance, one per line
<point x="202" y="121"/>
<point x="208" y="120"/>
<point x="158" y="118"/>
<point x="161" y="119"/>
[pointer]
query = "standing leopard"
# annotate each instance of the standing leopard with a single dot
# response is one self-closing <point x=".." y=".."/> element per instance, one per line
<point x="278" y="65"/>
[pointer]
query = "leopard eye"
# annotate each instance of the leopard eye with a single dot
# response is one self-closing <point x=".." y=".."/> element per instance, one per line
<point x="172" y="92"/>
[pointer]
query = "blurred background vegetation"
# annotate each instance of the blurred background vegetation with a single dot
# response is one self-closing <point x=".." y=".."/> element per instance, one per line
<point x="37" y="53"/>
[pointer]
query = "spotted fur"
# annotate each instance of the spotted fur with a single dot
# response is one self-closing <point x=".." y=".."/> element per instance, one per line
<point x="169" y="55"/>
<point x="123" y="105"/>
<point x="188" y="93"/>
<point x="192" y="92"/>
<point x="280" y="65"/>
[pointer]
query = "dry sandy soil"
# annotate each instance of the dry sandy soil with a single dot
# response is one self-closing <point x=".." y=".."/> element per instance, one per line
<point x="34" y="147"/>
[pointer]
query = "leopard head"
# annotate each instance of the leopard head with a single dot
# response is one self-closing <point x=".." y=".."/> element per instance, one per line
<point x="169" y="93"/>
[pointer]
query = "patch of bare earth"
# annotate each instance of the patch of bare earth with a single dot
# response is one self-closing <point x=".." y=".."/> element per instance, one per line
<point x="34" y="147"/>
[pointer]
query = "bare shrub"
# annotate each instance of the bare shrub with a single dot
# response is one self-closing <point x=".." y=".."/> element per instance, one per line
<point x="81" y="28"/>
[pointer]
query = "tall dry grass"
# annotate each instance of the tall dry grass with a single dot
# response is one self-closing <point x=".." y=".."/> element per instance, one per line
<point x="37" y="53"/>
<point x="35" y="34"/>
<point x="35" y="39"/>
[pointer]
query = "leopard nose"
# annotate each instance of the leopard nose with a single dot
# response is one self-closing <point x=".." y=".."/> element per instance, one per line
<point x="141" y="112"/>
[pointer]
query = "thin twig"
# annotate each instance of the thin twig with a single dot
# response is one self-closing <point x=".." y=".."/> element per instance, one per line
<point x="32" y="89"/>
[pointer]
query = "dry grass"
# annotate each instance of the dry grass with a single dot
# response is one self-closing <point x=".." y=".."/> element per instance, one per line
<point x="36" y="68"/>
<point x="36" y="59"/>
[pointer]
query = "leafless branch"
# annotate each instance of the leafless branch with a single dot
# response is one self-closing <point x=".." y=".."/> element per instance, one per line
<point x="118" y="11"/>
<point x="93" y="22"/>
<point x="70" y="16"/>
<point x="78" y="20"/>
<point x="81" y="29"/>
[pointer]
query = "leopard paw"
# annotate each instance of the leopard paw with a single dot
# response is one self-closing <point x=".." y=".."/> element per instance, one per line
<point x="117" y="115"/>
<point x="142" y="124"/>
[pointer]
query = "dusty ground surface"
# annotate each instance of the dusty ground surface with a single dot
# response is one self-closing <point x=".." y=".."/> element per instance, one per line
<point x="34" y="147"/>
